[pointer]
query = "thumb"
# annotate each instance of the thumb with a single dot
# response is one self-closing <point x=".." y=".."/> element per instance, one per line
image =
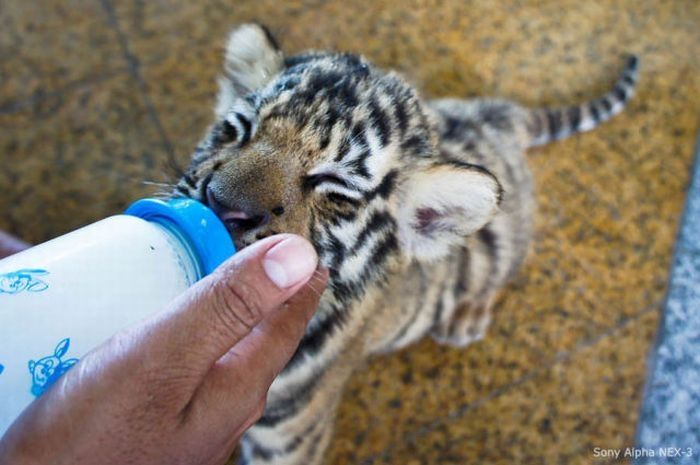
<point x="220" y="310"/>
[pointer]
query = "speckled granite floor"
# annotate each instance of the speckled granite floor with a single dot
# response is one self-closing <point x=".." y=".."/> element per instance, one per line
<point x="97" y="96"/>
<point x="669" y="413"/>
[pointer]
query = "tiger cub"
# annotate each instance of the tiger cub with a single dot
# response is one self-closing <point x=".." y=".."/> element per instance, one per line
<point x="421" y="210"/>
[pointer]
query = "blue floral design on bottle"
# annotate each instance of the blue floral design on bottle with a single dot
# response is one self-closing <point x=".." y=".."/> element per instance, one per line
<point x="22" y="280"/>
<point x="47" y="370"/>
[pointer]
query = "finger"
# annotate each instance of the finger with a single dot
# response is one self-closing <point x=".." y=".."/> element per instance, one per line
<point x="219" y="311"/>
<point x="275" y="340"/>
<point x="235" y="382"/>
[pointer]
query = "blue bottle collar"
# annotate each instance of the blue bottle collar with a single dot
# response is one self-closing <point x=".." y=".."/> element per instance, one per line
<point x="206" y="234"/>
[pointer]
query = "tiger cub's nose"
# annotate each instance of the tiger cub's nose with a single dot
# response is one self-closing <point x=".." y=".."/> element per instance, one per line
<point x="237" y="219"/>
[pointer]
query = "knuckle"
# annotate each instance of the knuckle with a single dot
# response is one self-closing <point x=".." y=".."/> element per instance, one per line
<point x="167" y="389"/>
<point x="238" y="306"/>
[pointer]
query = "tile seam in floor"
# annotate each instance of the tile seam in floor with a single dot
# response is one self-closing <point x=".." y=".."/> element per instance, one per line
<point x="560" y="357"/>
<point x="15" y="106"/>
<point x="134" y="66"/>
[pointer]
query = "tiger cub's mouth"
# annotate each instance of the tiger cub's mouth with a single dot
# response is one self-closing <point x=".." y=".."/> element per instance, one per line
<point x="244" y="225"/>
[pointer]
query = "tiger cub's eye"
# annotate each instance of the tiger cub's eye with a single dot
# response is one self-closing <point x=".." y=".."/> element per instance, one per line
<point x="225" y="133"/>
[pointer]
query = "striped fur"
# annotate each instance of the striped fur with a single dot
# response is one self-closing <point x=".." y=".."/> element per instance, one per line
<point x="550" y="124"/>
<point x="421" y="210"/>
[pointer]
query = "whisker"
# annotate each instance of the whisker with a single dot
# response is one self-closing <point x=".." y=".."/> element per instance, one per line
<point x="163" y="195"/>
<point x="316" y="276"/>
<point x="177" y="195"/>
<point x="316" y="291"/>
<point x="156" y="183"/>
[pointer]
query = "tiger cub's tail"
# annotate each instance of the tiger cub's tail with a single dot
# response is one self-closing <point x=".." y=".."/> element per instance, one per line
<point x="546" y="125"/>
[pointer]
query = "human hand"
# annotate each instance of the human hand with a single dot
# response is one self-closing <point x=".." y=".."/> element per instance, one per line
<point x="10" y="245"/>
<point x="184" y="385"/>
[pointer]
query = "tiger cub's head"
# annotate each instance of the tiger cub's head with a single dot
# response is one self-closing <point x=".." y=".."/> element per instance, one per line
<point x="327" y="146"/>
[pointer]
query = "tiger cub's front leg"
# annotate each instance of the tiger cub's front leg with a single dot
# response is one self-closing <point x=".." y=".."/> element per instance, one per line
<point x="467" y="322"/>
<point x="303" y="440"/>
<point x="477" y="274"/>
<point x="297" y="425"/>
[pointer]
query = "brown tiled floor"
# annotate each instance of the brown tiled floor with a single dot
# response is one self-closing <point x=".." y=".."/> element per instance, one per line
<point x="97" y="96"/>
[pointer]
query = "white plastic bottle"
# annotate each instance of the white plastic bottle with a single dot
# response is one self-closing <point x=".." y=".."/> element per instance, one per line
<point x="62" y="298"/>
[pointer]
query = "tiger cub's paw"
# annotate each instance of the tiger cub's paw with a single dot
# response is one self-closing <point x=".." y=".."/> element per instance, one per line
<point x="468" y="323"/>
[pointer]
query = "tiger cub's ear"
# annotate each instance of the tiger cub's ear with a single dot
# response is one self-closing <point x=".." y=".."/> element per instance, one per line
<point x="252" y="59"/>
<point x="442" y="204"/>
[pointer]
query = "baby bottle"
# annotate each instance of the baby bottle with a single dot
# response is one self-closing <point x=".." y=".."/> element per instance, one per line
<point x="62" y="298"/>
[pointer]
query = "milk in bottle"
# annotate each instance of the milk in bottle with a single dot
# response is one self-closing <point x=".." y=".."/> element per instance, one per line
<point x="60" y="299"/>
